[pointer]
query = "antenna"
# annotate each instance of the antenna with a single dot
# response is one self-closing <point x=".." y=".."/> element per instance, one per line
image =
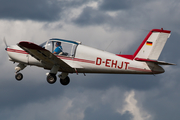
<point x="109" y="45"/>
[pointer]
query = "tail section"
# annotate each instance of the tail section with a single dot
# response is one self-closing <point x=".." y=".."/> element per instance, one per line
<point x="152" y="45"/>
<point x="151" y="48"/>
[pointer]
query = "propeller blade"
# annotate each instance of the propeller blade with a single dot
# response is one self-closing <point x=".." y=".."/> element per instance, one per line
<point x="5" y="43"/>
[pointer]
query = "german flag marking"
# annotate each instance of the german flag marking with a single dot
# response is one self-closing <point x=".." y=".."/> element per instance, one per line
<point x="149" y="43"/>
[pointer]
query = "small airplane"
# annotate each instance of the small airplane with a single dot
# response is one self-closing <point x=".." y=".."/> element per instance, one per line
<point x="77" y="58"/>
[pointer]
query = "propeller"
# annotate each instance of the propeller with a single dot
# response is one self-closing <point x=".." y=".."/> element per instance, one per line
<point x="5" y="43"/>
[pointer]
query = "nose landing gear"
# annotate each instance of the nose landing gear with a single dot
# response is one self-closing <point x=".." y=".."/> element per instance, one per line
<point x="19" y="76"/>
<point x="19" y="67"/>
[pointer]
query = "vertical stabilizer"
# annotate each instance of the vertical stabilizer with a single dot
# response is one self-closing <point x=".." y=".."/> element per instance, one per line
<point x="153" y="44"/>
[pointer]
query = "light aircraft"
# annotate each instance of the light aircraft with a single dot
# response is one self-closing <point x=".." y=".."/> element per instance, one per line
<point x="78" y="58"/>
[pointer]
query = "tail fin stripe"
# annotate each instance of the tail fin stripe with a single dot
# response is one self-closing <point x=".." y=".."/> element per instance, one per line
<point x="139" y="48"/>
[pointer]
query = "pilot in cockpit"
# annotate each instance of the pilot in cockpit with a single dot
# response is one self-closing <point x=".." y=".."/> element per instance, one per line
<point x="58" y="48"/>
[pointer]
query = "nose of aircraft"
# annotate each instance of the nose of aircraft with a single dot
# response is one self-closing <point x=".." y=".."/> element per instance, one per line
<point x="158" y="69"/>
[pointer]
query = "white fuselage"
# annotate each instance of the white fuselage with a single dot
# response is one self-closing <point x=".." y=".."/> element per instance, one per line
<point x="90" y="60"/>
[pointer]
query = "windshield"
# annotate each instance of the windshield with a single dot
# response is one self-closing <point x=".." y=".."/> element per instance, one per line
<point x="43" y="44"/>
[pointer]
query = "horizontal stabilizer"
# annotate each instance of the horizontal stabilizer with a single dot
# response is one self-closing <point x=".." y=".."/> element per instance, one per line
<point x="154" y="61"/>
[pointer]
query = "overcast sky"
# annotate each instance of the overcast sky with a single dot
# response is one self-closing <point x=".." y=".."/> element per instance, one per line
<point x="95" y="23"/>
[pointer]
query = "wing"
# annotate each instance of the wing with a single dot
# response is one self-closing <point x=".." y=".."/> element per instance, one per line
<point x="44" y="55"/>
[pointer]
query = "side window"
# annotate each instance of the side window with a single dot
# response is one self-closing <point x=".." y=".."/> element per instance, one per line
<point x="73" y="50"/>
<point x="68" y="49"/>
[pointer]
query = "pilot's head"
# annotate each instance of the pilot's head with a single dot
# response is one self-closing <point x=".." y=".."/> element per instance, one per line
<point x="58" y="43"/>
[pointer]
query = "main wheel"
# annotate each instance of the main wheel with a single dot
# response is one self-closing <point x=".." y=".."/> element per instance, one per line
<point x="51" y="78"/>
<point x="65" y="81"/>
<point x="19" y="76"/>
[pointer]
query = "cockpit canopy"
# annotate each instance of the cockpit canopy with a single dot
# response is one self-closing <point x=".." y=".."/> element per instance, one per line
<point x="68" y="46"/>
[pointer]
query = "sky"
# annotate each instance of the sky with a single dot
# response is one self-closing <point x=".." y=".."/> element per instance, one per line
<point x="112" y="25"/>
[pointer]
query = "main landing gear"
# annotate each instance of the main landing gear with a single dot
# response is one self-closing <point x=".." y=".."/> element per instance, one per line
<point x="64" y="79"/>
<point x="51" y="77"/>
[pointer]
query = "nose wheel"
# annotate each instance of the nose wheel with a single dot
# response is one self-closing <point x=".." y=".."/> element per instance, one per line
<point x="19" y="76"/>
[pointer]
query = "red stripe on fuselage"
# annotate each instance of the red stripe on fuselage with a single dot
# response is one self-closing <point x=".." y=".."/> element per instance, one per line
<point x="139" y="69"/>
<point x="61" y="57"/>
<point x="77" y="59"/>
<point x="17" y="51"/>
